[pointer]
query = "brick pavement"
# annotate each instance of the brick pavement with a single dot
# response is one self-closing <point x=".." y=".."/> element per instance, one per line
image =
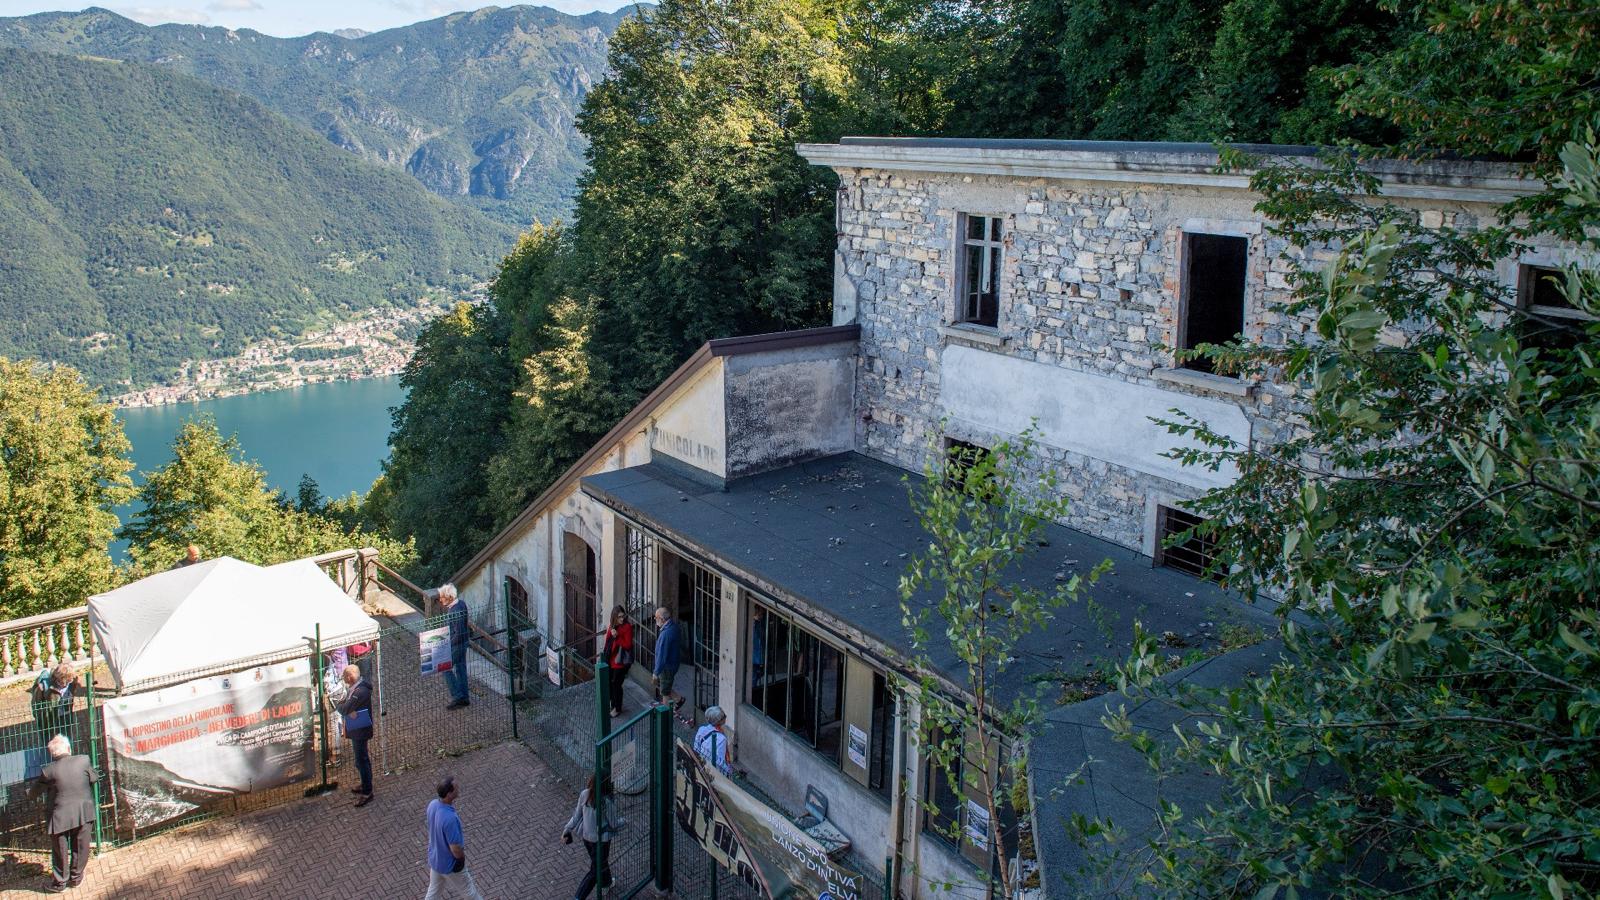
<point x="512" y="802"/>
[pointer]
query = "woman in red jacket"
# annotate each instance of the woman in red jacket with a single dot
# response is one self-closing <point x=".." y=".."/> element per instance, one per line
<point x="618" y="655"/>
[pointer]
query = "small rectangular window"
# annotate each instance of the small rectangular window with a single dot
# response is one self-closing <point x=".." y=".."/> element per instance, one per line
<point x="1195" y="555"/>
<point x="1213" y="292"/>
<point x="981" y="256"/>
<point x="960" y="457"/>
<point x="1541" y="291"/>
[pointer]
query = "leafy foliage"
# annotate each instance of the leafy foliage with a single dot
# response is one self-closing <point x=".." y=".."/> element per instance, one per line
<point x="149" y="244"/>
<point x="1432" y="729"/>
<point x="458" y="395"/>
<point x="63" y="467"/>
<point x="982" y="511"/>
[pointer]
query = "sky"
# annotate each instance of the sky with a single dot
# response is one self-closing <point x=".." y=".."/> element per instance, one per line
<point x="290" y="18"/>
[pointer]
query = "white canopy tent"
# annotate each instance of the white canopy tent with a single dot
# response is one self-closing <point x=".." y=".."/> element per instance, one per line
<point x="218" y="616"/>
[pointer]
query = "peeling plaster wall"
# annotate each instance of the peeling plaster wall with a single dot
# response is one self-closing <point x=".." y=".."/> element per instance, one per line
<point x="788" y="406"/>
<point x="691" y="426"/>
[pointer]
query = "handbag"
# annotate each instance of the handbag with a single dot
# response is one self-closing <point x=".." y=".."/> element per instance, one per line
<point x="361" y="718"/>
<point x="624" y="657"/>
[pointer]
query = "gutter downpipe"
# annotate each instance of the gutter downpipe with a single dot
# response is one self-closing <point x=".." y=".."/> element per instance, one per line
<point x="897" y="811"/>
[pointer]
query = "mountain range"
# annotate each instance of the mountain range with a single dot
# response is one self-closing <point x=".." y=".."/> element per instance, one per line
<point x="178" y="192"/>
<point x="477" y="106"/>
<point x="147" y="218"/>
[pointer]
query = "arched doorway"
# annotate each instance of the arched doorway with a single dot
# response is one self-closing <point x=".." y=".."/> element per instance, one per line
<point x="517" y="598"/>
<point x="580" y="584"/>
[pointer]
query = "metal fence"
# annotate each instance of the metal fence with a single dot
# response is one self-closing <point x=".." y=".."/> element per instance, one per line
<point x="413" y="728"/>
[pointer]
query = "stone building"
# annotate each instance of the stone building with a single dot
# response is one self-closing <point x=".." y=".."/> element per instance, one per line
<point x="980" y="287"/>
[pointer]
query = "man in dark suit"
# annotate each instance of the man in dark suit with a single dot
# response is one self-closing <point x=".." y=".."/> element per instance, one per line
<point x="70" y="781"/>
<point x="357" y="712"/>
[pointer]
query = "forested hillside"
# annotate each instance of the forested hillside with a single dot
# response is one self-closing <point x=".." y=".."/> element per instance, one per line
<point x="696" y="219"/>
<point x="477" y="106"/>
<point x="147" y="218"/>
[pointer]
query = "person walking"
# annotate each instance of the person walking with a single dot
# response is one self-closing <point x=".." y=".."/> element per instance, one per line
<point x="447" y="847"/>
<point x="70" y="781"/>
<point x="456" y="616"/>
<point x="356" y="710"/>
<point x="668" y="649"/>
<point x="618" y="655"/>
<point x="593" y="822"/>
<point x="711" y="741"/>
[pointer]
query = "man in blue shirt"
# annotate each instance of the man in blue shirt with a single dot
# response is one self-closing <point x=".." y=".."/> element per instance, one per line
<point x="447" y="850"/>
<point x="455" y="615"/>
<point x="668" y="649"/>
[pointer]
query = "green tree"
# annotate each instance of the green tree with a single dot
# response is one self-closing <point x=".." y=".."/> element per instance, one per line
<point x="63" y="467"/>
<point x="696" y="218"/>
<point x="308" y="496"/>
<point x="458" y="395"/>
<point x="982" y="510"/>
<point x="1433" y="732"/>
<point x="211" y="496"/>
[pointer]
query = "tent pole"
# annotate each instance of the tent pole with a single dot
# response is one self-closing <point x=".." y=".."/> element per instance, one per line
<point x="322" y="715"/>
<point x="383" y="733"/>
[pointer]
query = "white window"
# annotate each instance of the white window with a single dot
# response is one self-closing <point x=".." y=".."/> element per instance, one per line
<point x="982" y="252"/>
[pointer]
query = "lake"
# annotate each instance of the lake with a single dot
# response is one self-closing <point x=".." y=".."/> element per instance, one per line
<point x="338" y="433"/>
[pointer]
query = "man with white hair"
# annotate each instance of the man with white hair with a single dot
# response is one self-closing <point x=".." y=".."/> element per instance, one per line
<point x="455" y="615"/>
<point x="70" y="780"/>
<point x="711" y="742"/>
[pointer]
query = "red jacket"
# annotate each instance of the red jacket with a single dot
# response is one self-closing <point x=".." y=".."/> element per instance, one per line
<point x="618" y="638"/>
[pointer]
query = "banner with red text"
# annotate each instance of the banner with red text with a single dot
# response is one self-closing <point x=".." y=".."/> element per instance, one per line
<point x="177" y="749"/>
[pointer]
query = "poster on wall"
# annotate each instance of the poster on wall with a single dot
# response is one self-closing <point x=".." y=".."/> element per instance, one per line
<point x="978" y="824"/>
<point x="757" y="843"/>
<point x="858" y="746"/>
<point x="179" y="748"/>
<point x="433" y="647"/>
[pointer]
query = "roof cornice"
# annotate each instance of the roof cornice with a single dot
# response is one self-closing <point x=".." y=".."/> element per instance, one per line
<point x="1468" y="181"/>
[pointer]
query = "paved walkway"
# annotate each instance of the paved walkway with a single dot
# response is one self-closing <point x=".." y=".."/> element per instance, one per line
<point x="512" y="802"/>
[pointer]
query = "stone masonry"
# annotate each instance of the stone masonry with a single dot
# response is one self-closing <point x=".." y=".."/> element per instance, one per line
<point x="1090" y="283"/>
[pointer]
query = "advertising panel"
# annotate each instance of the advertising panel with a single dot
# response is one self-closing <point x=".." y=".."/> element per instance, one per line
<point x="176" y="749"/>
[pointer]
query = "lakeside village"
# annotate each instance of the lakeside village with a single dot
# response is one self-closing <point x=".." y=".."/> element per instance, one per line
<point x="376" y="344"/>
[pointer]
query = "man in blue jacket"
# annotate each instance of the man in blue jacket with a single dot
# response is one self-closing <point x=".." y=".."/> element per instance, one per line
<point x="455" y="615"/>
<point x="668" y="648"/>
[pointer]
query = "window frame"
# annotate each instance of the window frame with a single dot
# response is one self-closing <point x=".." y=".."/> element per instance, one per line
<point x="772" y="618"/>
<point x="960" y="313"/>
<point x="1186" y="290"/>
<point x="1528" y="274"/>
<point x="1164" y="516"/>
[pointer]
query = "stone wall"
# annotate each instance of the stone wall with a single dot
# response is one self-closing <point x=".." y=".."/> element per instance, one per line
<point x="1090" y="283"/>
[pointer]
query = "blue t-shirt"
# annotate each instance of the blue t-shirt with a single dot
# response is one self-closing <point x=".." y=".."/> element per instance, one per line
<point x="667" y="648"/>
<point x="444" y="829"/>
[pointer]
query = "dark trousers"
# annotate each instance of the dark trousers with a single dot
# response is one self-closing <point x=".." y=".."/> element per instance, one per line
<point x="587" y="884"/>
<point x="363" y="761"/>
<point x="457" y="674"/>
<point x="617" y="677"/>
<point x="70" y="845"/>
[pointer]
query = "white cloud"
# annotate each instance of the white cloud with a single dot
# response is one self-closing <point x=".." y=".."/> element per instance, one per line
<point x="233" y="6"/>
<point x="156" y="15"/>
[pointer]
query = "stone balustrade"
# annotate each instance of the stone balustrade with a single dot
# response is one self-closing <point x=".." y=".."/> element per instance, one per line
<point x="28" y="646"/>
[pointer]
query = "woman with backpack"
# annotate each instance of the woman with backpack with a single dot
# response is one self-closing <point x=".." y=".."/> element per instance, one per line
<point x="618" y="655"/>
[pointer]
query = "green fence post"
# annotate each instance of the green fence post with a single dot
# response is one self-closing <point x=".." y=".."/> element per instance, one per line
<point x="602" y="766"/>
<point x="322" y="714"/>
<point x="511" y="659"/>
<point x="661" y="784"/>
<point x="94" y="754"/>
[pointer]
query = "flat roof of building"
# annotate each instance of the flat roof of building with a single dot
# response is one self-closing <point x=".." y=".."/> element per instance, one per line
<point x="832" y="538"/>
<point x="1161" y="163"/>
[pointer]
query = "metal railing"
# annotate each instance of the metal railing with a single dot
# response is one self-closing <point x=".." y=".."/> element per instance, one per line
<point x="488" y="643"/>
